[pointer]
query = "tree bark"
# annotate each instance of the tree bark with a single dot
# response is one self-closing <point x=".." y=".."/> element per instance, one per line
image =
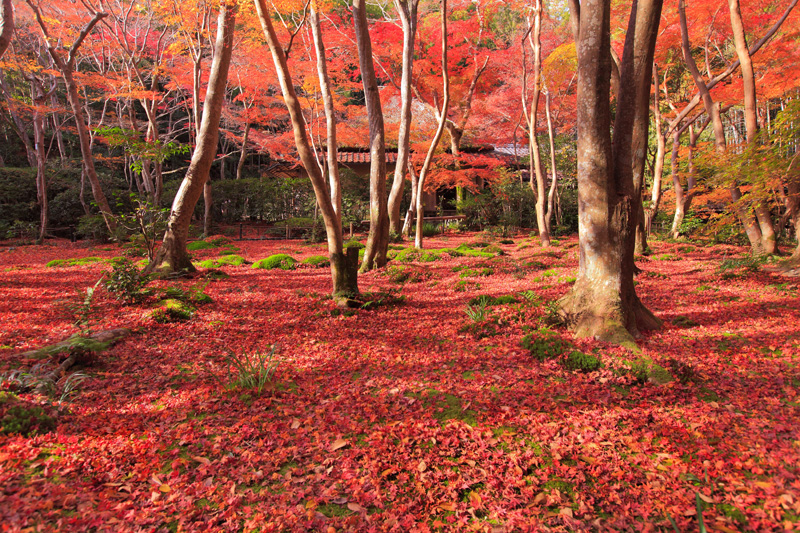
<point x="658" y="167"/>
<point x="6" y="25"/>
<point x="67" y="68"/>
<point x="378" y="238"/>
<point x="332" y="148"/>
<point x="751" y="227"/>
<point x="407" y="10"/>
<point x="769" y="241"/>
<point x="603" y="302"/>
<point x="38" y="97"/>
<point x="437" y="136"/>
<point x="172" y="256"/>
<point x="344" y="266"/>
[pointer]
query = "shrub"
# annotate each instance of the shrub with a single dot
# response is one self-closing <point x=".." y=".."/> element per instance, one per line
<point x="584" y="362"/>
<point x="282" y="261"/>
<point x="125" y="282"/>
<point x="544" y="344"/>
<point x="318" y="261"/>
<point x="429" y="229"/>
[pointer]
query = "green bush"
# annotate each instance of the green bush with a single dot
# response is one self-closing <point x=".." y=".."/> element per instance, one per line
<point x="282" y="261"/>
<point x="584" y="362"/>
<point x="318" y="261"/>
<point x="429" y="229"/>
<point x="125" y="281"/>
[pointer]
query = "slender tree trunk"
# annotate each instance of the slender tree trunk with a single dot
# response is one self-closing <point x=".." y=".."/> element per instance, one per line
<point x="538" y="188"/>
<point x="344" y="266"/>
<point x="378" y="239"/>
<point x="437" y="136"/>
<point x="412" y="206"/>
<point x="551" y="195"/>
<point x="712" y="109"/>
<point x="173" y="256"/>
<point x="243" y="155"/>
<point x="41" y="155"/>
<point x="603" y="302"/>
<point x="769" y="241"/>
<point x="332" y="148"/>
<point x="67" y="68"/>
<point x="658" y="168"/>
<point x="408" y="17"/>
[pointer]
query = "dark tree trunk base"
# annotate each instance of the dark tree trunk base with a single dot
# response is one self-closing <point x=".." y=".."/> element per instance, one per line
<point x="607" y="318"/>
<point x="344" y="271"/>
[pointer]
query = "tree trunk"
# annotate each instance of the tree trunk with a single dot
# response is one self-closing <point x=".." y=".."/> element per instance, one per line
<point x="41" y="156"/>
<point x="603" y="301"/>
<point x="408" y="17"/>
<point x="535" y="41"/>
<point x="769" y="241"/>
<point x="173" y="256"/>
<point x="712" y="109"/>
<point x="437" y="136"/>
<point x="412" y="206"/>
<point x="6" y="25"/>
<point x="343" y="266"/>
<point x="67" y="69"/>
<point x="208" y="204"/>
<point x="378" y="239"/>
<point x="551" y="195"/>
<point x="658" y="168"/>
<point x="332" y="148"/>
<point x="243" y="155"/>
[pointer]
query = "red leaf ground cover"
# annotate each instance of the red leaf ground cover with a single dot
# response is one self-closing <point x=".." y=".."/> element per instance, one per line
<point x="399" y="419"/>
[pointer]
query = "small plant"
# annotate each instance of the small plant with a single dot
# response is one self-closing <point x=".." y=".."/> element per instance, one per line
<point x="254" y="371"/>
<point x="229" y="259"/>
<point x="544" y="344"/>
<point x="429" y="229"/>
<point x="145" y="223"/>
<point x="282" y="261"/>
<point x="465" y="285"/>
<point x="83" y="311"/>
<point x="125" y="281"/>
<point x="552" y="315"/>
<point x="492" y="301"/>
<point x="477" y="312"/>
<point x="69" y="385"/>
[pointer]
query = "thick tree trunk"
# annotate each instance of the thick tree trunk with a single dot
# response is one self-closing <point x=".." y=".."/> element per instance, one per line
<point x="437" y="136"/>
<point x="6" y="25"/>
<point x="208" y="205"/>
<point x="343" y="266"/>
<point x="173" y="256"/>
<point x="408" y="17"/>
<point x="603" y="302"/>
<point x="378" y="238"/>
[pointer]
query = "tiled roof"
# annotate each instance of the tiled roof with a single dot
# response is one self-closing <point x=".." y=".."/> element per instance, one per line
<point x="350" y="157"/>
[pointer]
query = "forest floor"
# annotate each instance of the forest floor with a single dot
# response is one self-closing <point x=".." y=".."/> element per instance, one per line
<point x="410" y="416"/>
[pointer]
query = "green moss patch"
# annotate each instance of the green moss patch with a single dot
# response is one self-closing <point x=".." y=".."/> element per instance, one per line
<point x="18" y="416"/>
<point x="544" y="344"/>
<point x="77" y="261"/>
<point x="282" y="261"/>
<point x="172" y="310"/>
<point x="225" y="260"/>
<point x="317" y="261"/>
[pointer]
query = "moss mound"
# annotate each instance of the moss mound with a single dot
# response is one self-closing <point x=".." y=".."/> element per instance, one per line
<point x="225" y="260"/>
<point x="282" y="261"/>
<point x="544" y="344"/>
<point x="317" y="261"/>
<point x="172" y="310"/>
<point x="21" y="417"/>
<point x="583" y="362"/>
